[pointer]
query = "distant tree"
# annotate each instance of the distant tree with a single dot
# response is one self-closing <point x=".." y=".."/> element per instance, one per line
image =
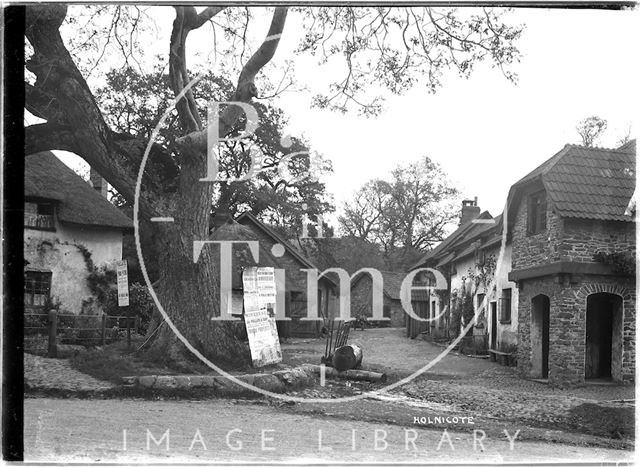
<point x="590" y="129"/>
<point x="408" y="213"/>
<point x="363" y="215"/>
<point x="625" y="138"/>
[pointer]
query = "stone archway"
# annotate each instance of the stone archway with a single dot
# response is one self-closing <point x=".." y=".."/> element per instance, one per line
<point x="540" y="308"/>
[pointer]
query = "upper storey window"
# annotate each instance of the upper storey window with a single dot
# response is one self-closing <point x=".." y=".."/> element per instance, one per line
<point x="537" y="213"/>
<point x="39" y="216"/>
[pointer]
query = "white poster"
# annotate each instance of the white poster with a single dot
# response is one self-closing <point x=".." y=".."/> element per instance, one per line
<point x="266" y="285"/>
<point x="259" y="286"/>
<point x="123" y="283"/>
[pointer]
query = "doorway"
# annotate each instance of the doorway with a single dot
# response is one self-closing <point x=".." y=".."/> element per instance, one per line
<point x="540" y="306"/>
<point x="603" y="309"/>
<point x="494" y="325"/>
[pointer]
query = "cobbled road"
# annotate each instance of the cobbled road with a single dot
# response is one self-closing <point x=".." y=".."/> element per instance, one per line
<point x="83" y="430"/>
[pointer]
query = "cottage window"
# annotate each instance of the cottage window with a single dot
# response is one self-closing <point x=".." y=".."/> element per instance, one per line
<point x="537" y="213"/>
<point x="39" y="216"/>
<point x="505" y="306"/>
<point x="37" y="287"/>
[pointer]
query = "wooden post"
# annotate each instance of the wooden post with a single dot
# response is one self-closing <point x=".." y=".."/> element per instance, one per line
<point x="103" y="329"/>
<point x="136" y="327"/>
<point x="128" y="327"/>
<point x="53" y="330"/>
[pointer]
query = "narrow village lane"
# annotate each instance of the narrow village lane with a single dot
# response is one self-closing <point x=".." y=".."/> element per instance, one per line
<point x="223" y="430"/>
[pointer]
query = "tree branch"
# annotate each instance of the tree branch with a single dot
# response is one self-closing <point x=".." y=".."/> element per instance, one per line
<point x="246" y="88"/>
<point x="48" y="136"/>
<point x="82" y="128"/>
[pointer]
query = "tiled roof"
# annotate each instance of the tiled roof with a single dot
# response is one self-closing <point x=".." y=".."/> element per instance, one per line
<point x="589" y="183"/>
<point x="592" y="183"/>
<point x="464" y="231"/>
<point x="48" y="177"/>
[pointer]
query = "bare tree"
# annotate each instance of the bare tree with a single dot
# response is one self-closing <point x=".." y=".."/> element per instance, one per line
<point x="393" y="47"/>
<point x="590" y="129"/>
<point x="408" y="212"/>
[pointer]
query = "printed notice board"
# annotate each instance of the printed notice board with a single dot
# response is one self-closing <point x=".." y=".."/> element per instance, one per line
<point x="123" y="283"/>
<point x="259" y="286"/>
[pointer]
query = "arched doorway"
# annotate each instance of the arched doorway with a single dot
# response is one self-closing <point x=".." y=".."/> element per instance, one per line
<point x="540" y="306"/>
<point x="604" y="318"/>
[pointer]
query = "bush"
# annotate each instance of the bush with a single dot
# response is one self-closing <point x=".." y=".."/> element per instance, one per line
<point x="102" y="283"/>
<point x="622" y="262"/>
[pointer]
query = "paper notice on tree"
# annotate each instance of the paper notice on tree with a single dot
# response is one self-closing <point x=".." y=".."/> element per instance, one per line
<point x="123" y="283"/>
<point x="259" y="287"/>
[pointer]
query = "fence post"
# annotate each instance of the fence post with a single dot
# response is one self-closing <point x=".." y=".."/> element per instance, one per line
<point x="137" y="324"/>
<point x="52" y="351"/>
<point x="103" y="329"/>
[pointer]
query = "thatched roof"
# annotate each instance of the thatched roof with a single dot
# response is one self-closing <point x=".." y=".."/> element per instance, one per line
<point x="242" y="257"/>
<point x="47" y="177"/>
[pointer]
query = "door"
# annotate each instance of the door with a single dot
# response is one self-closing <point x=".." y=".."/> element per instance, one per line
<point x="540" y="306"/>
<point x="494" y="325"/>
<point x="598" y="336"/>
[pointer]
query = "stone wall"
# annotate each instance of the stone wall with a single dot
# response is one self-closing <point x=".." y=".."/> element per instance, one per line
<point x="567" y="239"/>
<point x="567" y="325"/>
<point x="582" y="238"/>
<point x="537" y="249"/>
<point x="361" y="303"/>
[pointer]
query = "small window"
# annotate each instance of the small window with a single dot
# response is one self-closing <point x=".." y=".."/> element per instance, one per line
<point x="37" y="287"/>
<point x="505" y="306"/>
<point x="39" y="216"/>
<point x="537" y="213"/>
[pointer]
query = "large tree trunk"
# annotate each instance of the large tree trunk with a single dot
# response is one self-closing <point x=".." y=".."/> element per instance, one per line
<point x="189" y="291"/>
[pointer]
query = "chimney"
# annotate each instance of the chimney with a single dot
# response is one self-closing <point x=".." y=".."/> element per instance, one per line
<point x="99" y="184"/>
<point x="222" y="217"/>
<point x="470" y="210"/>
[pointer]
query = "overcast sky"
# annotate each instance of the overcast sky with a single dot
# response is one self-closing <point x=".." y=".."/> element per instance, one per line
<point x="485" y="131"/>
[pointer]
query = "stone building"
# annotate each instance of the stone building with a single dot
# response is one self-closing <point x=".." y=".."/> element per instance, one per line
<point x="69" y="228"/>
<point x="362" y="298"/>
<point x="573" y="261"/>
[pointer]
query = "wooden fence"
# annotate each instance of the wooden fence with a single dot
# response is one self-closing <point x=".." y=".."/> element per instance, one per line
<point x="77" y="329"/>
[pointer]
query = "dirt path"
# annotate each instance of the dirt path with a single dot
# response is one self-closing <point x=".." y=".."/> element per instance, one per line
<point x="388" y="350"/>
<point x="92" y="430"/>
